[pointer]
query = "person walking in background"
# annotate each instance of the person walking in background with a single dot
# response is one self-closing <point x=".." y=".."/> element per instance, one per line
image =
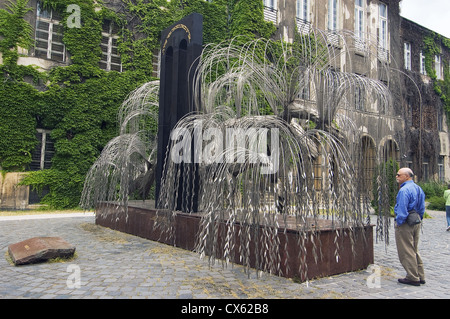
<point x="447" y="205"/>
<point x="410" y="197"/>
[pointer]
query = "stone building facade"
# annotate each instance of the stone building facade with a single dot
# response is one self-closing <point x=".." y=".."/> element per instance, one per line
<point x="382" y="45"/>
<point x="367" y="37"/>
<point x="424" y="111"/>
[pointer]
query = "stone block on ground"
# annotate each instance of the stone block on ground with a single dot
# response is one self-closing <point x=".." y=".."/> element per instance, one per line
<point x="39" y="249"/>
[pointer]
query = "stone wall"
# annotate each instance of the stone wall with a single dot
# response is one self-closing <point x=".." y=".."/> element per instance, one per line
<point x="12" y="195"/>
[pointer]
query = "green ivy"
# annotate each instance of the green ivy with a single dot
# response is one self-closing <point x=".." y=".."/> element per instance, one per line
<point x="15" y="32"/>
<point x="247" y="19"/>
<point x="432" y="45"/>
<point x="79" y="105"/>
<point x="17" y="125"/>
<point x="388" y="185"/>
<point x="79" y="102"/>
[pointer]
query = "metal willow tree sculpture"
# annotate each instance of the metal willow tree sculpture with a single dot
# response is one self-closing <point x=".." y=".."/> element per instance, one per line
<point x="126" y="164"/>
<point x="274" y="143"/>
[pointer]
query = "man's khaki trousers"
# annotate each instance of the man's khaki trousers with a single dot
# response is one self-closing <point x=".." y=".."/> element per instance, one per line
<point x="407" y="240"/>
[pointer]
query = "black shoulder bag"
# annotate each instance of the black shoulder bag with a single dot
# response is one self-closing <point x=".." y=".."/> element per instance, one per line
<point x="413" y="218"/>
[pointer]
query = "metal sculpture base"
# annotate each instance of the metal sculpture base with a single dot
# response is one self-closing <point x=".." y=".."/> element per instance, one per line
<point x="140" y="218"/>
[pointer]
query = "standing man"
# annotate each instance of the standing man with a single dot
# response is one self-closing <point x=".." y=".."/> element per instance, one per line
<point x="410" y="196"/>
<point x="447" y="206"/>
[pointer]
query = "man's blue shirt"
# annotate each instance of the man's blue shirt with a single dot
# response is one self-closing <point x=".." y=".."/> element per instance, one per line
<point x="410" y="196"/>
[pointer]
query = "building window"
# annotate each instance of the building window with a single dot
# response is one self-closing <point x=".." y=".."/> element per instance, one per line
<point x="383" y="32"/>
<point x="157" y="63"/>
<point x="332" y="15"/>
<point x="438" y="67"/>
<point x="407" y="53"/>
<point x="359" y="97"/>
<point x="359" y="24"/>
<point x="302" y="10"/>
<point x="49" y="35"/>
<point x="409" y="164"/>
<point x="422" y="64"/>
<point x="41" y="158"/>
<point x="441" y="170"/>
<point x="270" y="10"/>
<point x="110" y="59"/>
<point x="271" y="4"/>
<point x="333" y="37"/>
<point x="440" y="120"/>
<point x="302" y="16"/>
<point x="425" y="173"/>
<point x="305" y="92"/>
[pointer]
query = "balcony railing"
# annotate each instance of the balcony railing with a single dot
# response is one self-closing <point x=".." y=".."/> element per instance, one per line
<point x="383" y="54"/>
<point x="360" y="45"/>
<point x="334" y="39"/>
<point x="270" y="14"/>
<point x="303" y="26"/>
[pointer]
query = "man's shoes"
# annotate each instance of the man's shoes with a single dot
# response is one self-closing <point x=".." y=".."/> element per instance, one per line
<point x="422" y="282"/>
<point x="409" y="282"/>
<point x="448" y="228"/>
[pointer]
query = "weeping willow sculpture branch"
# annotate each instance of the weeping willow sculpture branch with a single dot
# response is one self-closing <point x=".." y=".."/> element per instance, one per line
<point x="127" y="162"/>
<point x="273" y="145"/>
<point x="255" y="89"/>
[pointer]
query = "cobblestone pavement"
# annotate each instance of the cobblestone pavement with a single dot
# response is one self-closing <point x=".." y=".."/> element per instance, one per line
<point x="114" y="265"/>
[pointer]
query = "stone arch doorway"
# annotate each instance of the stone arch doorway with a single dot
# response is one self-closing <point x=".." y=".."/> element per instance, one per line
<point x="390" y="150"/>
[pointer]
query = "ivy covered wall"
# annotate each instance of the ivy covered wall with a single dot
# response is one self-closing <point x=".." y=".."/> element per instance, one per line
<point x="432" y="47"/>
<point x="79" y="102"/>
<point x="426" y="98"/>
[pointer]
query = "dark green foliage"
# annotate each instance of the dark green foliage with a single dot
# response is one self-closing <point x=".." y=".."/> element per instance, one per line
<point x="385" y="184"/>
<point x="436" y="203"/>
<point x="215" y="19"/>
<point x="14" y="31"/>
<point x="17" y="125"/>
<point x="432" y="44"/>
<point x="83" y="119"/>
<point x="247" y="19"/>
<point x="79" y="106"/>
<point x="432" y="189"/>
<point x="434" y="193"/>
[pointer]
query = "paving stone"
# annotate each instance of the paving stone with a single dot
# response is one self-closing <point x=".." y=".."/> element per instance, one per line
<point x="39" y="249"/>
<point x="164" y="272"/>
